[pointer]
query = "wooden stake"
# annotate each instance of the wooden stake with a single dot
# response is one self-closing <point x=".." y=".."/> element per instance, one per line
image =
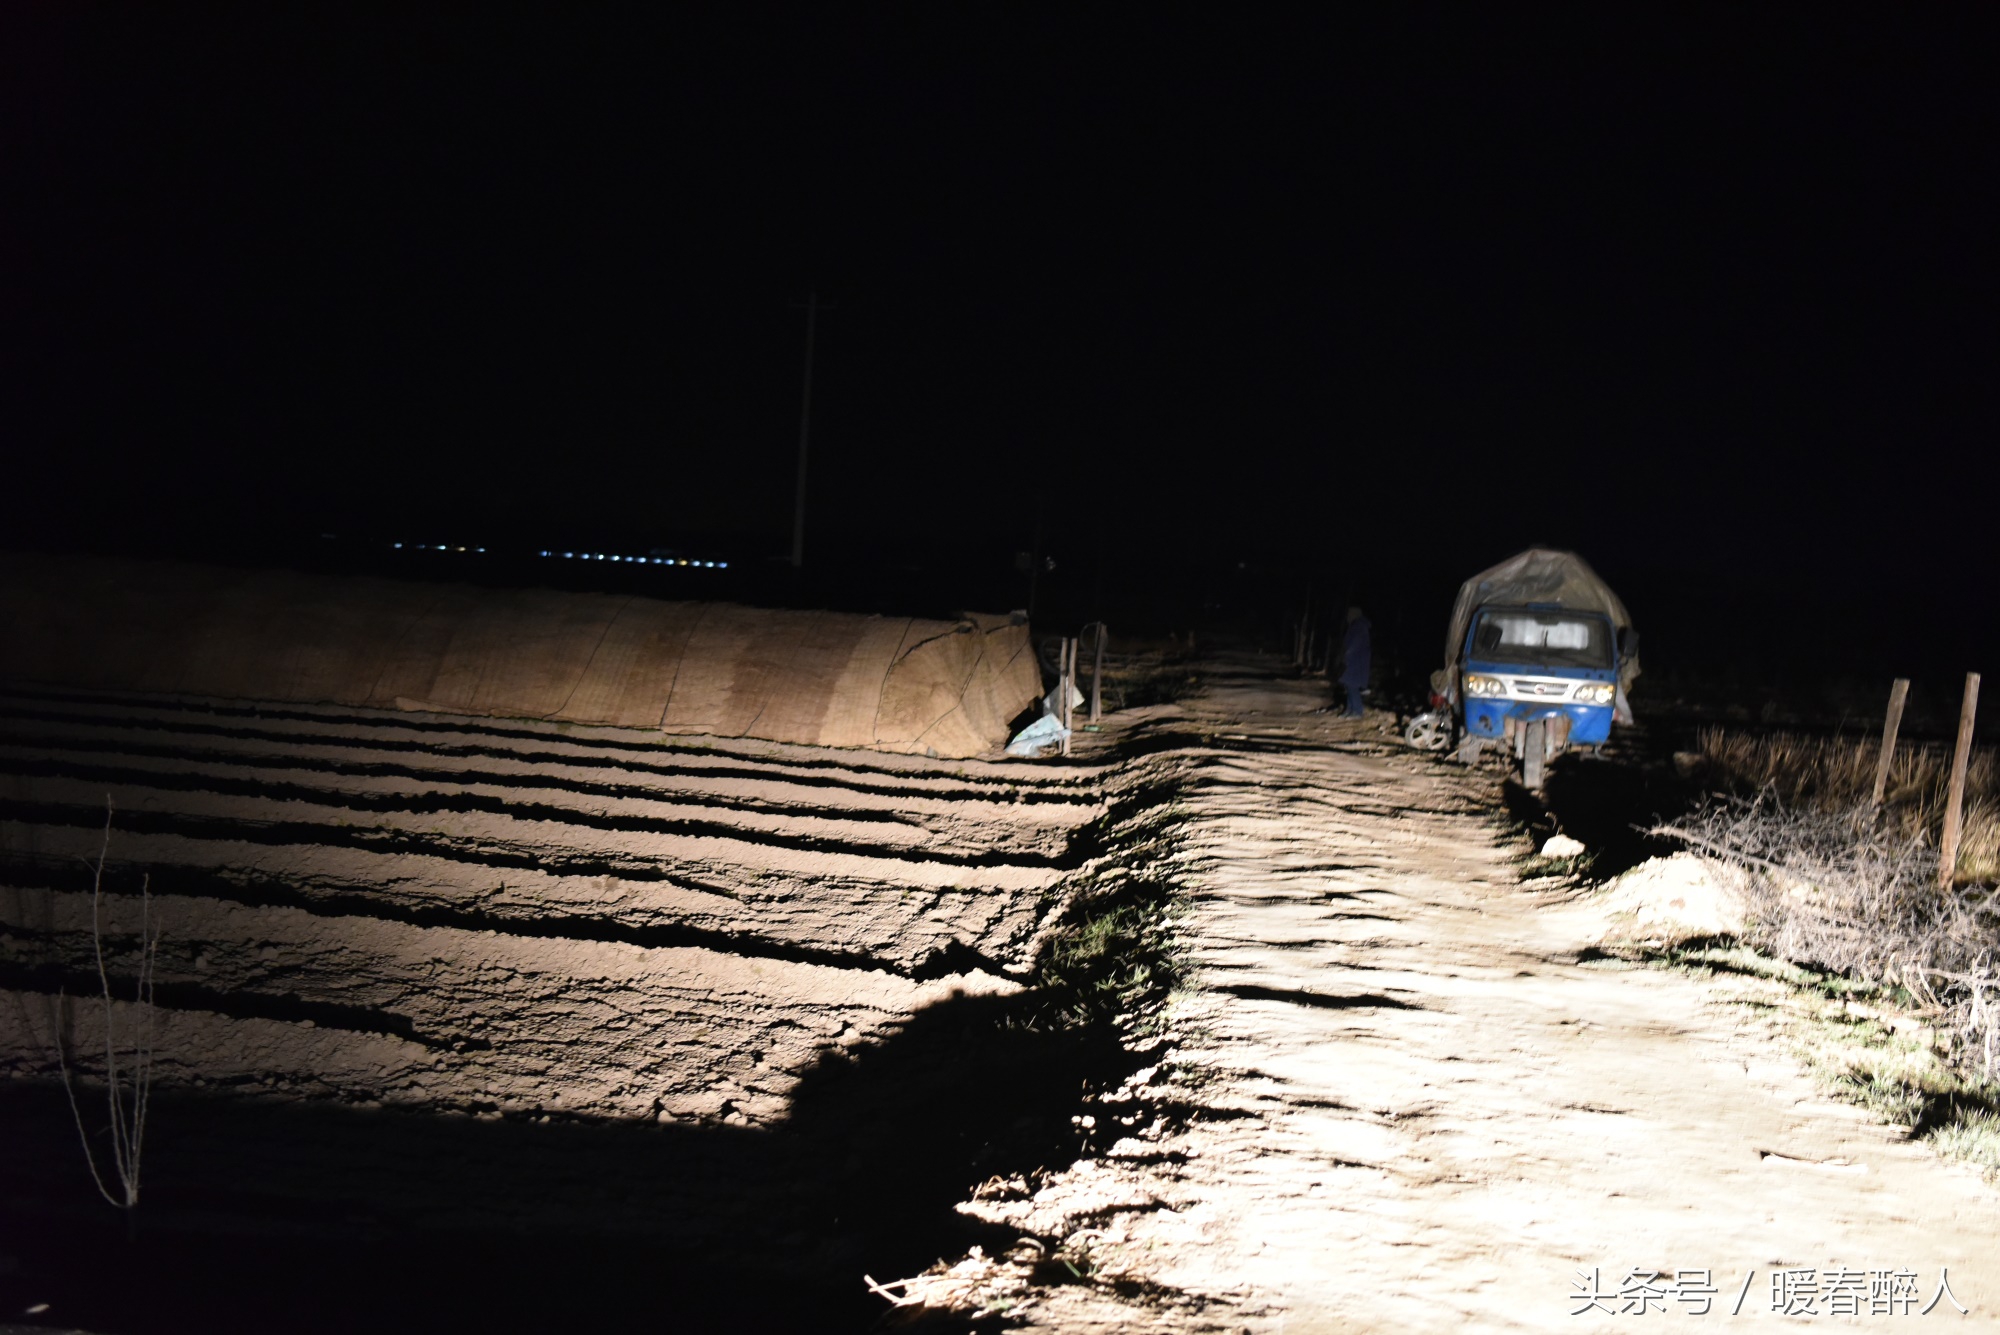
<point x="1955" y="799"/>
<point x="1069" y="698"/>
<point x="1062" y="692"/>
<point x="1899" y="691"/>
<point x="1097" y="677"/>
<point x="1064" y="687"/>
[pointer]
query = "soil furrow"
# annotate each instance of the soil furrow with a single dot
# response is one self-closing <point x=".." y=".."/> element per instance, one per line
<point x="949" y="937"/>
<point x="843" y="918"/>
<point x="691" y="789"/>
<point x="634" y="848"/>
<point x="610" y="747"/>
<point x="874" y="835"/>
<point x="523" y="1025"/>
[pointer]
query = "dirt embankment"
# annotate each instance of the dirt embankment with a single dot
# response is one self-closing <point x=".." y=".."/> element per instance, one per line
<point x="902" y="684"/>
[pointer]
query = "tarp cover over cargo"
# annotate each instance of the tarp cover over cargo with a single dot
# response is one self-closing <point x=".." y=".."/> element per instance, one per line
<point x="714" y="669"/>
<point x="1537" y="575"/>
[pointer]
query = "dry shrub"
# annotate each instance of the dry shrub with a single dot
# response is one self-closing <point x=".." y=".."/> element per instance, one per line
<point x="1837" y="775"/>
<point x="1856" y="891"/>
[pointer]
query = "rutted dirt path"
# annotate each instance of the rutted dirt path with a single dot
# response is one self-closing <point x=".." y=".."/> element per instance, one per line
<point x="1423" y="1103"/>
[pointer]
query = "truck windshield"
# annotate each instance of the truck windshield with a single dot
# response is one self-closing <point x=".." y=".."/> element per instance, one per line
<point x="1542" y="639"/>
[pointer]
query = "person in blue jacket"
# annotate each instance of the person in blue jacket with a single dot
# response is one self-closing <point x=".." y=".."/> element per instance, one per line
<point x="1355" y="655"/>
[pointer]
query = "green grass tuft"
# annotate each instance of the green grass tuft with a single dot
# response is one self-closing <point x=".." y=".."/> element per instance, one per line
<point x="1864" y="1044"/>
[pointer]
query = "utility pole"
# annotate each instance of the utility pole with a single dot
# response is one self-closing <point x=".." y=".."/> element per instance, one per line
<point x="812" y="309"/>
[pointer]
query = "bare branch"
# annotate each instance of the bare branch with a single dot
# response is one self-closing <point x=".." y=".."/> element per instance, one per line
<point x="127" y="1081"/>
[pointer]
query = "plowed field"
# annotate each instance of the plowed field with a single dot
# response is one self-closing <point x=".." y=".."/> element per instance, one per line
<point x="488" y="982"/>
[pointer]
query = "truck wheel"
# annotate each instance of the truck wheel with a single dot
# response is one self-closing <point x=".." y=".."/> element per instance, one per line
<point x="1428" y="732"/>
<point x="1534" y="754"/>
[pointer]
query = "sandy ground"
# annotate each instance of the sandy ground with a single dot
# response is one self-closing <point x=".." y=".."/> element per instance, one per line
<point x="479" y="980"/>
<point x="1421" y="1102"/>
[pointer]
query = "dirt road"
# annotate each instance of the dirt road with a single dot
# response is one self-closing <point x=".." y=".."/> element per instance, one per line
<point x="1422" y="1103"/>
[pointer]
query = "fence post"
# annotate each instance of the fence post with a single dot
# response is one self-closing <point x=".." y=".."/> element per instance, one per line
<point x="1064" y="686"/>
<point x="1097" y="677"/>
<point x="1955" y="798"/>
<point x="1899" y="691"/>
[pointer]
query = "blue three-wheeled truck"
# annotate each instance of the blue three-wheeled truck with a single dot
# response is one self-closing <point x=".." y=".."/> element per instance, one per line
<point x="1538" y="660"/>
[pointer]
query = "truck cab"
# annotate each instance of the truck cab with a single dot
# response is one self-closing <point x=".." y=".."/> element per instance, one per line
<point x="1539" y="677"/>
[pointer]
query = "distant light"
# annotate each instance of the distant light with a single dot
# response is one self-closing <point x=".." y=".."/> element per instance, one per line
<point x="399" y="546"/>
<point x="722" y="565"/>
<point x="478" y="549"/>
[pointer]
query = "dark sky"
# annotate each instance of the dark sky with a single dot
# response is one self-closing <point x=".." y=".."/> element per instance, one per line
<point x="1690" y="294"/>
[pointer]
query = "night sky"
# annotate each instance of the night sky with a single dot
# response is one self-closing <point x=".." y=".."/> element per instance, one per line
<point x="1712" y="301"/>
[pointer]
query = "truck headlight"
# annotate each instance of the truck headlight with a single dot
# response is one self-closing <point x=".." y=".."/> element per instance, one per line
<point x="1478" y="685"/>
<point x="1595" y="693"/>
